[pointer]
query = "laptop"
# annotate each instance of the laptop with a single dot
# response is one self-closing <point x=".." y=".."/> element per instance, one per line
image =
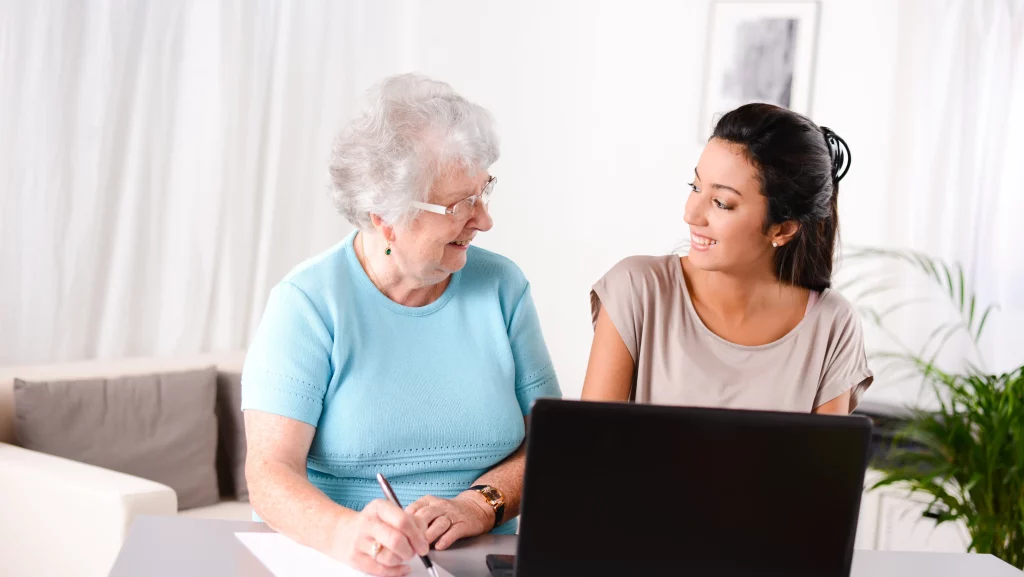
<point x="625" y="489"/>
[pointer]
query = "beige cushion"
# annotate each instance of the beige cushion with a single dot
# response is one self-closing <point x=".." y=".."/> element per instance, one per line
<point x="225" y="361"/>
<point x="160" y="427"/>
<point x="231" y="442"/>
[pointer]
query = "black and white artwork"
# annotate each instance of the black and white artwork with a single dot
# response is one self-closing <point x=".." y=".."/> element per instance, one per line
<point x="758" y="52"/>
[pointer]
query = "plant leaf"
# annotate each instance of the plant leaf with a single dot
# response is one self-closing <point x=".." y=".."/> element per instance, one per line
<point x="970" y="314"/>
<point x="981" y="325"/>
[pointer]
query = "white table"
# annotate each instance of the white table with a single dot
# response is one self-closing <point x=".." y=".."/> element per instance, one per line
<point x="177" y="546"/>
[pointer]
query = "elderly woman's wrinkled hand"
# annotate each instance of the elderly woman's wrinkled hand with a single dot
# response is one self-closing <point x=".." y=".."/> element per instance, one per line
<point x="380" y="539"/>
<point x="467" y="515"/>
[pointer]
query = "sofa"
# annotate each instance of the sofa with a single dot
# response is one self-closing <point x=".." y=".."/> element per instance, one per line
<point x="63" y="517"/>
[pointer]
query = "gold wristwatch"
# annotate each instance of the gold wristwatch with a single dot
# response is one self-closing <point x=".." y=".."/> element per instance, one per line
<point x="494" y="498"/>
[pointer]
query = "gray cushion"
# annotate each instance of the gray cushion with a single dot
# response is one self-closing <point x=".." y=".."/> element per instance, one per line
<point x="160" y="427"/>
<point x="231" y="445"/>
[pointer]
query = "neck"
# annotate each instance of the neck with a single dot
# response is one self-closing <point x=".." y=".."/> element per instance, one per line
<point x="735" y="295"/>
<point x="387" y="276"/>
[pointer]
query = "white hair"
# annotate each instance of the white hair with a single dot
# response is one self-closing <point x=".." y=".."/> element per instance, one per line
<point x="411" y="129"/>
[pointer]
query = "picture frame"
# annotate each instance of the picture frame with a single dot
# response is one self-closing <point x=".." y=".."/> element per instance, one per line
<point x="759" y="51"/>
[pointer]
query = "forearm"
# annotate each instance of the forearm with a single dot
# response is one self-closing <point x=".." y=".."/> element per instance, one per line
<point x="290" y="504"/>
<point x="507" y="477"/>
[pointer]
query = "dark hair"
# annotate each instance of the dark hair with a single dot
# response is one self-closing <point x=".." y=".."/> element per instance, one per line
<point x="800" y="165"/>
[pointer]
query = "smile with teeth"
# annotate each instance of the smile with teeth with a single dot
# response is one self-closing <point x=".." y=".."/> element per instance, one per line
<point x="702" y="240"/>
<point x="461" y="242"/>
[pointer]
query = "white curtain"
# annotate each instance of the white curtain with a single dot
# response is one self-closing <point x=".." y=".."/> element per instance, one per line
<point x="154" y="157"/>
<point x="957" y="175"/>
<point x="163" y="163"/>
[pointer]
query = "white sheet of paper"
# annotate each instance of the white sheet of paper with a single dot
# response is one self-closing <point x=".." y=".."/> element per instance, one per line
<point x="286" y="558"/>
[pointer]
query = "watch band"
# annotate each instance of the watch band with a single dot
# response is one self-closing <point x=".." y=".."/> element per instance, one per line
<point x="494" y="498"/>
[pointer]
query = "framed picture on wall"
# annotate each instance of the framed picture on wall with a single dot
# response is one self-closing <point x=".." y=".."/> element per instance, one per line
<point x="758" y="52"/>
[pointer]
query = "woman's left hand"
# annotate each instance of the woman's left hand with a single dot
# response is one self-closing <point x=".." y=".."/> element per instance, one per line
<point x="467" y="515"/>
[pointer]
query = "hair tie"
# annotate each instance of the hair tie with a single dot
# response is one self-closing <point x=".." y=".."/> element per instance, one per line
<point x="839" y="152"/>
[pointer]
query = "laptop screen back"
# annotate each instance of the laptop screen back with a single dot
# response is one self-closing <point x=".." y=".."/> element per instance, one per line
<point x="615" y="489"/>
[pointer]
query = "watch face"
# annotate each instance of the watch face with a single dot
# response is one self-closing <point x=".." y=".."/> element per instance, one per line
<point x="492" y="495"/>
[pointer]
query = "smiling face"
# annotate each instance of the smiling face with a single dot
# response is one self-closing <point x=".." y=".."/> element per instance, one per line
<point x="726" y="213"/>
<point x="433" y="246"/>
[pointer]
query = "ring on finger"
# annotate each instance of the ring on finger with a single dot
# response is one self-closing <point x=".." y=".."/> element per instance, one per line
<point x="375" y="549"/>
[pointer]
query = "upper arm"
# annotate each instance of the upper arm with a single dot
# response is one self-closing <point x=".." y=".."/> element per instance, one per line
<point x="535" y="373"/>
<point x="610" y="369"/>
<point x="288" y="367"/>
<point x="846" y="375"/>
<point x="275" y="439"/>
<point x="837" y="406"/>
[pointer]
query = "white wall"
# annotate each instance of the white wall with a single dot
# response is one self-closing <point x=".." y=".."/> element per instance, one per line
<point x="597" y="101"/>
<point x="598" y="104"/>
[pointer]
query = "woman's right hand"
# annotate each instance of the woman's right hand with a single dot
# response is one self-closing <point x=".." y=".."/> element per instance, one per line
<point x="400" y="535"/>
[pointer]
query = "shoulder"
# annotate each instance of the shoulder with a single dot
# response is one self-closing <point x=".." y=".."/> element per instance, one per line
<point x="490" y="278"/>
<point x="492" y="269"/>
<point x="641" y="271"/>
<point x="317" y="277"/>
<point x="837" y="306"/>
<point x="629" y="287"/>
<point x="303" y="299"/>
<point x="838" y="315"/>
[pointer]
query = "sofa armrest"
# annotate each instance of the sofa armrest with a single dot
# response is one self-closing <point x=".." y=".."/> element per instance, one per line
<point x="62" y="517"/>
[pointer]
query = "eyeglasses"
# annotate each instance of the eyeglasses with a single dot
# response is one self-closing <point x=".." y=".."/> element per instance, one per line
<point x="464" y="208"/>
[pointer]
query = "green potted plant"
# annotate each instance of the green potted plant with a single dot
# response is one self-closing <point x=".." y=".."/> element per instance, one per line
<point x="965" y="451"/>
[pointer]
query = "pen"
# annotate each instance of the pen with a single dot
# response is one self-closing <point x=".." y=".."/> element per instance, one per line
<point x="390" y="494"/>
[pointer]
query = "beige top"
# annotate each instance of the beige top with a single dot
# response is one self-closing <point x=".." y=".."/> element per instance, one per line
<point x="679" y="361"/>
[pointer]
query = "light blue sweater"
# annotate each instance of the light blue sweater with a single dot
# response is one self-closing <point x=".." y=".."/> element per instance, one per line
<point x="430" y="396"/>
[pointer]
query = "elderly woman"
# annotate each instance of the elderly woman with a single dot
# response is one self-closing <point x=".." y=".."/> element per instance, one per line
<point x="403" y="350"/>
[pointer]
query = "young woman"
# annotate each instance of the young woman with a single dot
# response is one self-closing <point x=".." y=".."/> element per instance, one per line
<point x="747" y="319"/>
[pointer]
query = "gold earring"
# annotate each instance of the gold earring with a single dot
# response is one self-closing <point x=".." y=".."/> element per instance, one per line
<point x="387" y="251"/>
